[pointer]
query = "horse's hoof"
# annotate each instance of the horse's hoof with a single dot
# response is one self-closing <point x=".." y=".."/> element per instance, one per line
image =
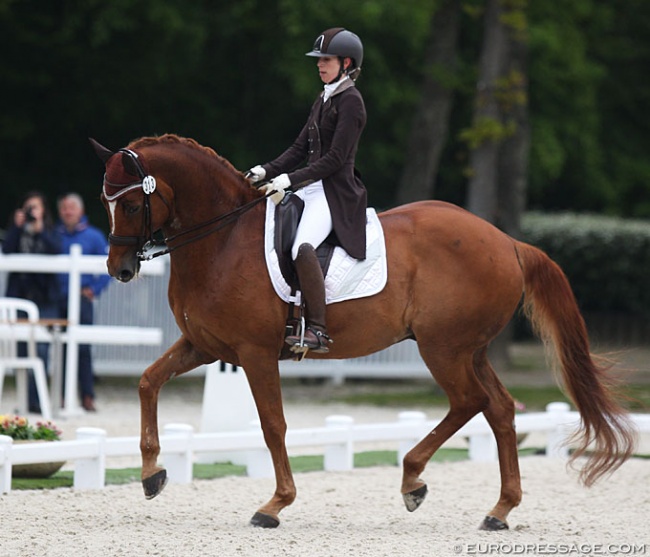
<point x="493" y="524"/>
<point x="413" y="499"/>
<point x="261" y="520"/>
<point x="153" y="485"/>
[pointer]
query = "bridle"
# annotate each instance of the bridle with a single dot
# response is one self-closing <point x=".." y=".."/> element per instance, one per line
<point x="146" y="241"/>
<point x="148" y="185"/>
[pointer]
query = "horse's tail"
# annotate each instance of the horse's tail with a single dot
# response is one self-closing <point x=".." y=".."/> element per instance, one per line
<point x="551" y="307"/>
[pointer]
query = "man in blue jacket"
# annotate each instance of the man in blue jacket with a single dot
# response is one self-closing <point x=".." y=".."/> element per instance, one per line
<point x="75" y="229"/>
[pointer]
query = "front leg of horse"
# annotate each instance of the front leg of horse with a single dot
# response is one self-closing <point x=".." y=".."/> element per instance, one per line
<point x="180" y="358"/>
<point x="267" y="516"/>
<point x="265" y="386"/>
<point x="154" y="478"/>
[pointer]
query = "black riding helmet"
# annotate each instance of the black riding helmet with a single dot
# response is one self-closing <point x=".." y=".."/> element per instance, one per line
<point x="343" y="44"/>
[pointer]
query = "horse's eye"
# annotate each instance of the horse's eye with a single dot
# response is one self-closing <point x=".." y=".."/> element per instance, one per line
<point x="131" y="209"/>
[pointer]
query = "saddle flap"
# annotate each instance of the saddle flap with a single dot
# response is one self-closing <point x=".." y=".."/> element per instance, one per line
<point x="287" y="217"/>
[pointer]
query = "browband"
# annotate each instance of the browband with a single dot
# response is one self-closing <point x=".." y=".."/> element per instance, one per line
<point x="147" y="183"/>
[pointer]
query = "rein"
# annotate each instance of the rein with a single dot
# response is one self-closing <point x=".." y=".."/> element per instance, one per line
<point x="227" y="219"/>
<point x="147" y="241"/>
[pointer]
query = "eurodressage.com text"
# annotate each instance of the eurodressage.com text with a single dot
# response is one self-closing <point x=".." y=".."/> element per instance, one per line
<point x="551" y="549"/>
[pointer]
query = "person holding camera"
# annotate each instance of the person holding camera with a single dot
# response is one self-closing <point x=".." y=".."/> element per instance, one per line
<point x="32" y="231"/>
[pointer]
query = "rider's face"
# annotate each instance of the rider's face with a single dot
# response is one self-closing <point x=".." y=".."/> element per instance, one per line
<point x="328" y="68"/>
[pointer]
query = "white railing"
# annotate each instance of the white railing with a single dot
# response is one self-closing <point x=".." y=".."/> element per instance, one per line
<point x="179" y="444"/>
<point x="75" y="264"/>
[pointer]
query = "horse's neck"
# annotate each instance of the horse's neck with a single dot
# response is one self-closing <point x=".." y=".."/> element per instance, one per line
<point x="199" y="202"/>
<point x="198" y="199"/>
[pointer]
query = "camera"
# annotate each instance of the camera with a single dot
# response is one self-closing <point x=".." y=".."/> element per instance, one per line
<point x="29" y="214"/>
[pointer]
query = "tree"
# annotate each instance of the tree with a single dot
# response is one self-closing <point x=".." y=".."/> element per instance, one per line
<point x="512" y="164"/>
<point x="488" y="128"/>
<point x="429" y="129"/>
<point x="221" y="73"/>
<point x="500" y="135"/>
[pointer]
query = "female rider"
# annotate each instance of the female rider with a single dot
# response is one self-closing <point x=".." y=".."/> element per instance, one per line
<point x="336" y="200"/>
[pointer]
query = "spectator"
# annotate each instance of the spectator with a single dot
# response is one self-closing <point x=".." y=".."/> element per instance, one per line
<point x="74" y="228"/>
<point x="32" y="231"/>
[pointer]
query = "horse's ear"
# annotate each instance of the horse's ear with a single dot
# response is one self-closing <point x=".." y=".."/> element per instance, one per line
<point x="102" y="152"/>
<point x="130" y="165"/>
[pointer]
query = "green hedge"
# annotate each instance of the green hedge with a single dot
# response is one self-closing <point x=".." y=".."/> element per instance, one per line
<point x="606" y="259"/>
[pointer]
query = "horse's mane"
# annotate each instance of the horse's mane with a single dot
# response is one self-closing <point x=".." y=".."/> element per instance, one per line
<point x="170" y="138"/>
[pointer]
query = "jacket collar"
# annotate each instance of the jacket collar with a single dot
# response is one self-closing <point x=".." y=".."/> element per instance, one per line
<point x="340" y="86"/>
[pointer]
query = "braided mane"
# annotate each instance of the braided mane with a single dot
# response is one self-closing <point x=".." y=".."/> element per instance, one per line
<point x="170" y="138"/>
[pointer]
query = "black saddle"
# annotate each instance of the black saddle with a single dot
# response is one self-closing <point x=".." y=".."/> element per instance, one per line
<point x="287" y="216"/>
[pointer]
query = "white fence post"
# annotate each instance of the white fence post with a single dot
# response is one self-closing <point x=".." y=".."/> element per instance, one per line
<point x="340" y="456"/>
<point x="90" y="473"/>
<point x="6" y="443"/>
<point x="259" y="463"/>
<point x="482" y="448"/>
<point x="227" y="406"/>
<point x="414" y="420"/>
<point x="71" y="404"/>
<point x="482" y="445"/>
<point x="179" y="464"/>
<point x="557" y="437"/>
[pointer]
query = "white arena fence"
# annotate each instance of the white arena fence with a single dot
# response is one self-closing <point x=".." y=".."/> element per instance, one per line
<point x="92" y="449"/>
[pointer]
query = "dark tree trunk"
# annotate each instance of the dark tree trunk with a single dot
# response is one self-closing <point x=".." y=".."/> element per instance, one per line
<point x="483" y="191"/>
<point x="501" y="135"/>
<point x="513" y="155"/>
<point x="431" y="121"/>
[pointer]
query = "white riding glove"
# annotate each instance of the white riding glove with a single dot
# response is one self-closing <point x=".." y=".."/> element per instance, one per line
<point x="256" y="173"/>
<point x="278" y="185"/>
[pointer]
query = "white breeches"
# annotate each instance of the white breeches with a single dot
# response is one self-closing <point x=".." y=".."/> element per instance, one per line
<point x="316" y="221"/>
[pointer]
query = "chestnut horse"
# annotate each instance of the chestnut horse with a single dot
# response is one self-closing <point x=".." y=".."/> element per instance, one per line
<point x="454" y="282"/>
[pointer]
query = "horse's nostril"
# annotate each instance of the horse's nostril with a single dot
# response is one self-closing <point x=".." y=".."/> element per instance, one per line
<point x="125" y="275"/>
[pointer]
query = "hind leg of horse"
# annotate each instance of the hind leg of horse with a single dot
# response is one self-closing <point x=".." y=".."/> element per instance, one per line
<point x="265" y="386"/>
<point x="456" y="377"/>
<point x="180" y="357"/>
<point x="500" y="414"/>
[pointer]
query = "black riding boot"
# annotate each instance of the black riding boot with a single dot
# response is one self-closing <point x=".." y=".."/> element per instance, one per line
<point x="312" y="286"/>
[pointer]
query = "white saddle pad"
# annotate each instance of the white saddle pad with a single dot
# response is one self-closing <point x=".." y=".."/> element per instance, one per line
<point x="347" y="278"/>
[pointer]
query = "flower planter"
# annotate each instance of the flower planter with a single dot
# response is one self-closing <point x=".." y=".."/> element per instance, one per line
<point x="36" y="469"/>
<point x="21" y="431"/>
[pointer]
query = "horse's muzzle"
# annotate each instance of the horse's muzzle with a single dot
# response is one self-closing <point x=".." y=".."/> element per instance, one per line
<point x="125" y="275"/>
<point x="123" y="269"/>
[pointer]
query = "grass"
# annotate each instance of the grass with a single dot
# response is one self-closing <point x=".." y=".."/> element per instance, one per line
<point x="535" y="398"/>
<point x="299" y="464"/>
<point x="639" y="397"/>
